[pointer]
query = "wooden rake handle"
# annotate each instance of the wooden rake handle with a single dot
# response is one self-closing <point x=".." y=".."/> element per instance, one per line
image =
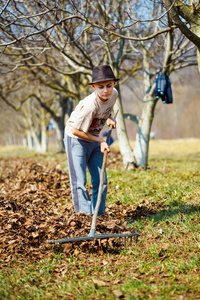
<point x="94" y="219"/>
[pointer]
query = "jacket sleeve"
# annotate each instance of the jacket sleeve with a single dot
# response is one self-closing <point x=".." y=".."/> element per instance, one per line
<point x="160" y="86"/>
<point x="169" y="96"/>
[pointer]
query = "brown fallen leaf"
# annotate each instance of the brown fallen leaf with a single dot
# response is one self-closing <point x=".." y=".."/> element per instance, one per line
<point x="118" y="293"/>
<point x="35" y="234"/>
<point x="99" y="282"/>
<point x="67" y="248"/>
<point x="76" y="251"/>
<point x="109" y="225"/>
<point x="165" y="246"/>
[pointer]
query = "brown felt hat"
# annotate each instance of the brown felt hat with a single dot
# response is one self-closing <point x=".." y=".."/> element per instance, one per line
<point x="102" y="73"/>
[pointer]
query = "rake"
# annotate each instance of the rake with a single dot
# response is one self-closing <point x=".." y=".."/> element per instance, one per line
<point x="93" y="235"/>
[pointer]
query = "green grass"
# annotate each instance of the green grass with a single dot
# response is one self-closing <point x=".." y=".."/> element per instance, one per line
<point x="172" y="181"/>
<point x="163" y="264"/>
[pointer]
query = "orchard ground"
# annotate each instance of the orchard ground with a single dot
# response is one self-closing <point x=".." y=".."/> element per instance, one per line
<point x="161" y="203"/>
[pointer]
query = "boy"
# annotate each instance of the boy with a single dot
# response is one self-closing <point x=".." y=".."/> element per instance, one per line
<point x="83" y="145"/>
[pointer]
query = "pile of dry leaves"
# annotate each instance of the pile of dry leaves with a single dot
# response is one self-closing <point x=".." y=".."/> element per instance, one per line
<point x="35" y="205"/>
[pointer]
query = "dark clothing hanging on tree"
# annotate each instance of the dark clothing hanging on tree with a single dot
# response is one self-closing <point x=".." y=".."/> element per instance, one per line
<point x="163" y="88"/>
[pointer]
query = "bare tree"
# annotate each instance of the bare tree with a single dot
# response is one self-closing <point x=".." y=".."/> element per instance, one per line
<point x="187" y="19"/>
<point x="32" y="120"/>
<point x="69" y="39"/>
<point x="70" y="59"/>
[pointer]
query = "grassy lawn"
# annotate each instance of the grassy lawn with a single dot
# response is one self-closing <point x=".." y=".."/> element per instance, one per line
<point x="163" y="264"/>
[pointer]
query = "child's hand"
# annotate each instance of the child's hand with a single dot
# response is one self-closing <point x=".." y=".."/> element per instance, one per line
<point x="104" y="146"/>
<point x="111" y="121"/>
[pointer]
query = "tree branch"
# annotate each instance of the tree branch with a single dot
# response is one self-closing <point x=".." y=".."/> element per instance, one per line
<point x="173" y="12"/>
<point x="131" y="117"/>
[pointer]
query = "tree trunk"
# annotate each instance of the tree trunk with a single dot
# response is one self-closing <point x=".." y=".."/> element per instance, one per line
<point x="198" y="59"/>
<point x="141" y="148"/>
<point x="29" y="140"/>
<point x="10" y="140"/>
<point x="44" y="139"/>
<point x="36" y="142"/>
<point x="125" y="148"/>
<point x="66" y="107"/>
<point x="60" y="135"/>
<point x="196" y="30"/>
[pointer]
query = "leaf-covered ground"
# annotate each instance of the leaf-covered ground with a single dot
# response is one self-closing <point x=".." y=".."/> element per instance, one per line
<point x="35" y="206"/>
<point x="162" y="204"/>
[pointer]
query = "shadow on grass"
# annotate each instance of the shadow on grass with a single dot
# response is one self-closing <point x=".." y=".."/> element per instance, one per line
<point x="172" y="211"/>
<point x="158" y="213"/>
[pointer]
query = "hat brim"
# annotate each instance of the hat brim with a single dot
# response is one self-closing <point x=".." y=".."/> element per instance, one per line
<point x="102" y="80"/>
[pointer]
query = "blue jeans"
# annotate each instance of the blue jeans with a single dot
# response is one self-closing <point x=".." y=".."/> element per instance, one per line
<point x="82" y="154"/>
